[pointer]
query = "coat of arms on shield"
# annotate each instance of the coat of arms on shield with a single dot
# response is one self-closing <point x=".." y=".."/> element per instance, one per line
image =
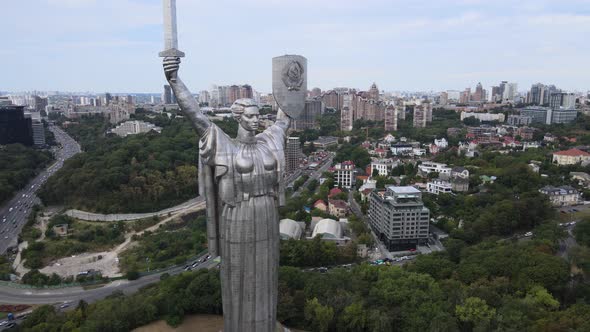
<point x="289" y="83"/>
<point x="293" y="75"/>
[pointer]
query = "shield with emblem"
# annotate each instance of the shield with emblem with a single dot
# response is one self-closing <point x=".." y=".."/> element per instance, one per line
<point x="289" y="83"/>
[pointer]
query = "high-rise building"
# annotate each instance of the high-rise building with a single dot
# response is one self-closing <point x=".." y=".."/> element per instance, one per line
<point x="246" y="91"/>
<point x="14" y="126"/>
<point x="563" y="115"/>
<point x="223" y="92"/>
<point x="479" y="94"/>
<point x="399" y="218"/>
<point x="167" y="96"/>
<point x="422" y="114"/>
<point x="214" y="93"/>
<point x="374" y="92"/>
<point x="314" y="108"/>
<point x="234" y="93"/>
<point x="315" y="93"/>
<point x="549" y="90"/>
<point x="204" y="97"/>
<point x="536" y="94"/>
<point x="292" y="154"/>
<point x="549" y="116"/>
<point x="444" y="98"/>
<point x="346" y="120"/>
<point x="38" y="132"/>
<point x="391" y="117"/>
<point x="496" y="95"/>
<point x="332" y="99"/>
<point x="509" y="91"/>
<point x="465" y="96"/>
<point x="562" y="100"/>
<point x="428" y="110"/>
<point x="537" y="114"/>
<point x="107" y="99"/>
<point x="39" y="103"/>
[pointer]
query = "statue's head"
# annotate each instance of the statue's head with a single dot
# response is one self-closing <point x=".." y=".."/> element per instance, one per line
<point x="246" y="112"/>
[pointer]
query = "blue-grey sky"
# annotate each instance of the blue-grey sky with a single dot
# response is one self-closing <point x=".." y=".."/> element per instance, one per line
<point x="112" y="45"/>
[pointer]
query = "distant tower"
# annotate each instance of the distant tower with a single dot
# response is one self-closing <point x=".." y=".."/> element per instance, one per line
<point x="391" y="118"/>
<point x="444" y="98"/>
<point x="292" y="154"/>
<point x="315" y="92"/>
<point x="107" y="98"/>
<point x="167" y="96"/>
<point x="478" y="95"/>
<point x="374" y="92"/>
<point x="38" y="132"/>
<point x="204" y="97"/>
<point x="420" y="116"/>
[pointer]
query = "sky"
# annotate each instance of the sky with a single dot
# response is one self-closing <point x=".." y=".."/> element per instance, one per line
<point x="418" y="45"/>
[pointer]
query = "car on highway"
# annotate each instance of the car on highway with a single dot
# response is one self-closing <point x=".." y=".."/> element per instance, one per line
<point x="64" y="305"/>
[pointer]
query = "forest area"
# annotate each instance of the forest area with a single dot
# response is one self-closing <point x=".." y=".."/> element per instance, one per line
<point x="138" y="173"/>
<point x="19" y="164"/>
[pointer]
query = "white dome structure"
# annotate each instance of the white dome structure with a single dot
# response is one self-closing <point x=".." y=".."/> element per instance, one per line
<point x="328" y="229"/>
<point x="290" y="229"/>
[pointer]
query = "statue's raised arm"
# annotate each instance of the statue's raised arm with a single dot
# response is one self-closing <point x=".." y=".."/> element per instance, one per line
<point x="186" y="101"/>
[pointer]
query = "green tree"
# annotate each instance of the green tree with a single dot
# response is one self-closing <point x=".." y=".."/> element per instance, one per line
<point x="475" y="311"/>
<point x="582" y="232"/>
<point x="353" y="318"/>
<point x="318" y="316"/>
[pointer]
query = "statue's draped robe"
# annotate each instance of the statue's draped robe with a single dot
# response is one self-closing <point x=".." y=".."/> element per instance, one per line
<point x="241" y="184"/>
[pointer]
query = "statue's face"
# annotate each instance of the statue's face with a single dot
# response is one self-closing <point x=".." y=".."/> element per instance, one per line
<point x="250" y="119"/>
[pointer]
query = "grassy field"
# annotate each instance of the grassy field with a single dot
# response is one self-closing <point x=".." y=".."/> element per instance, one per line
<point x="82" y="237"/>
<point x="174" y="243"/>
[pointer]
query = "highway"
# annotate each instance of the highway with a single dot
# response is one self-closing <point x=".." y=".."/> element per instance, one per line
<point x="73" y="295"/>
<point x="14" y="213"/>
<point x="315" y="175"/>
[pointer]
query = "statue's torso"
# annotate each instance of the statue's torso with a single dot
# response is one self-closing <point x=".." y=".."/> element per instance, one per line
<point x="255" y="170"/>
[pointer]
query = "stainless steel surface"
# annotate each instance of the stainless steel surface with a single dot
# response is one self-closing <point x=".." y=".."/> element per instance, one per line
<point x="241" y="180"/>
<point x="289" y="83"/>
<point x="170" y="31"/>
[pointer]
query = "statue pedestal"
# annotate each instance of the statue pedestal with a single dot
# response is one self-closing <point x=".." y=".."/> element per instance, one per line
<point x="201" y="323"/>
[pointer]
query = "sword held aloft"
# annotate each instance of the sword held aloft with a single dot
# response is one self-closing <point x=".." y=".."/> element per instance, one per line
<point x="170" y="31"/>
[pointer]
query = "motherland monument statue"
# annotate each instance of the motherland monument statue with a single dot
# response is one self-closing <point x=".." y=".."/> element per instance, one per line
<point x="241" y="181"/>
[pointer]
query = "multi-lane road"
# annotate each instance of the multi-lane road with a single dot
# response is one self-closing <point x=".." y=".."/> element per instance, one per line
<point x="13" y="214"/>
<point x="68" y="298"/>
<point x="315" y="175"/>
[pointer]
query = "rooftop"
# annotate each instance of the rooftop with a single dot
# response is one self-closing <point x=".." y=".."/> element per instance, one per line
<point x="572" y="152"/>
<point x="403" y="190"/>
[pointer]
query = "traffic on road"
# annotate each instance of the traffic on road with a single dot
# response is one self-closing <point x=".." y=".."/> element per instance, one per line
<point x="14" y="213"/>
<point x="65" y="299"/>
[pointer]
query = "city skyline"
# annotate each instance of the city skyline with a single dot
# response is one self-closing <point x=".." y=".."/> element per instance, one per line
<point x="449" y="45"/>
